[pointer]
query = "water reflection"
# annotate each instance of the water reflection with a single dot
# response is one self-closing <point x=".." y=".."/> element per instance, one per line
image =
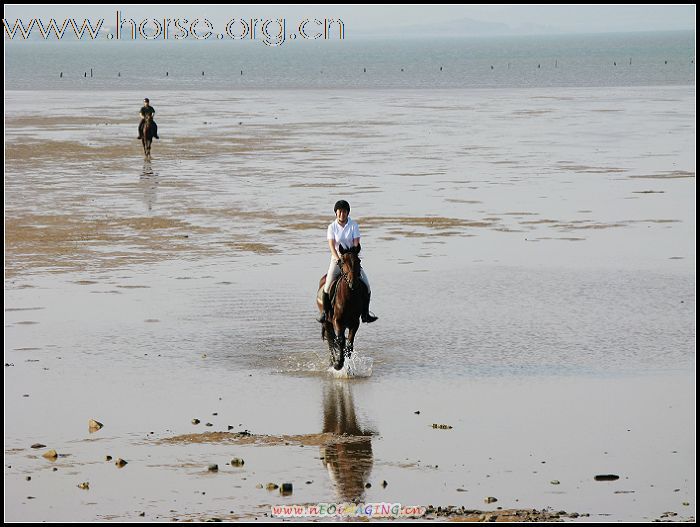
<point x="148" y="181"/>
<point x="349" y="460"/>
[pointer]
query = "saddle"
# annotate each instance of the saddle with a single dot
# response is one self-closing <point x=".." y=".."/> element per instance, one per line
<point x="333" y="290"/>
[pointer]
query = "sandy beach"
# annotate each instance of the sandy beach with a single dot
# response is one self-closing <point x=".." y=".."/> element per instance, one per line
<point x="532" y="258"/>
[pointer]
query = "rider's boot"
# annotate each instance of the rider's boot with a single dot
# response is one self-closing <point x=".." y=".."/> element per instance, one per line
<point x="325" y="314"/>
<point x="140" y="132"/>
<point x="367" y="316"/>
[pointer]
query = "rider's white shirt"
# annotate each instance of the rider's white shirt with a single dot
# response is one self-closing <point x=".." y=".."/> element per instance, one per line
<point x="343" y="235"/>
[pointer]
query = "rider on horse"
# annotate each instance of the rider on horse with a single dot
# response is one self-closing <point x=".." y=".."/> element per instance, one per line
<point x="343" y="231"/>
<point x="147" y="109"/>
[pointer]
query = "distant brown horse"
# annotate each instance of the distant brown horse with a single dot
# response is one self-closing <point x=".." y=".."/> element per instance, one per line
<point x="147" y="135"/>
<point x="346" y="308"/>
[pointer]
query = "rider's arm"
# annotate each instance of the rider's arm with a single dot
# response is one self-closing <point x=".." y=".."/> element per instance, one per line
<point x="331" y="244"/>
<point x="356" y="235"/>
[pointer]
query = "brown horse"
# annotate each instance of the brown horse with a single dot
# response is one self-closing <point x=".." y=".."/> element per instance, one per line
<point x="346" y="309"/>
<point x="147" y="136"/>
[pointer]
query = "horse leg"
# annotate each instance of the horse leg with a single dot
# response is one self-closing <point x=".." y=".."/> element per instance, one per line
<point x="351" y="340"/>
<point x="339" y="344"/>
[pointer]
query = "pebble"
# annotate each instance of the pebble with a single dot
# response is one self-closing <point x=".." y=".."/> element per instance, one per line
<point x="108" y="458"/>
<point x="384" y="483"/>
<point x="606" y="477"/>
<point x="51" y="454"/>
<point x="29" y="478"/>
<point x="120" y="463"/>
<point x="38" y="445"/>
<point x="85" y="485"/>
<point x="272" y="486"/>
<point x="195" y="421"/>
<point x="490" y="499"/>
<point x="441" y="427"/>
<point x="237" y="462"/>
<point x="94" y="426"/>
<point x="213" y="467"/>
<point x="286" y="488"/>
<point x="555" y="482"/>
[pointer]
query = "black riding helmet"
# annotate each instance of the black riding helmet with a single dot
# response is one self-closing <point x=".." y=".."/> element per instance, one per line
<point x="342" y="205"/>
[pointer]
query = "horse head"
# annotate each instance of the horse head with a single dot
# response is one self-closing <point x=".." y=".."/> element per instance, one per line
<point x="350" y="265"/>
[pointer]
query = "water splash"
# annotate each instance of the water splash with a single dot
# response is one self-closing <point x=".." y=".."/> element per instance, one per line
<point x="356" y="366"/>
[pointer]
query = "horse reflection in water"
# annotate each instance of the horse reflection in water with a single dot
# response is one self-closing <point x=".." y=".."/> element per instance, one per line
<point x="349" y="460"/>
<point x="148" y="181"/>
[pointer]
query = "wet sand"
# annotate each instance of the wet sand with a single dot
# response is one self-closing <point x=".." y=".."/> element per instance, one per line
<point x="542" y="241"/>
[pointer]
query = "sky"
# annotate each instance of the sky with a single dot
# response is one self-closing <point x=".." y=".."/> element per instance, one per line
<point x="376" y="20"/>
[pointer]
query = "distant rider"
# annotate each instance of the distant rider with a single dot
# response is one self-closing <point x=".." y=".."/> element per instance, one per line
<point x="147" y="109"/>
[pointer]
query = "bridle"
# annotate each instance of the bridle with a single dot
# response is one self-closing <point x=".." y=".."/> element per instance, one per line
<point x="346" y="276"/>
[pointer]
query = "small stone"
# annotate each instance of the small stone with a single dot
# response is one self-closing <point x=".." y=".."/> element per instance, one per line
<point x="417" y="412"/>
<point x="259" y="486"/>
<point x="461" y="490"/>
<point x="108" y="458"/>
<point x="208" y="424"/>
<point x="38" y="445"/>
<point x="94" y="426"/>
<point x="120" y="463"/>
<point x="272" y="486"/>
<point x="490" y="499"/>
<point x="215" y="413"/>
<point x="142" y="514"/>
<point x="213" y="467"/>
<point x="368" y="485"/>
<point x="606" y="477"/>
<point x="51" y="454"/>
<point x="309" y="482"/>
<point x="195" y="421"/>
<point x="286" y="489"/>
<point x="686" y="504"/>
<point x="555" y="482"/>
<point x="237" y="462"/>
<point x="230" y="427"/>
<point x="384" y="483"/>
<point x="442" y="427"/>
<point x="29" y="478"/>
<point x="85" y="485"/>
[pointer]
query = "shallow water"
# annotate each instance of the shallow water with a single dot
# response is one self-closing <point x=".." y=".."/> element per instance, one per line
<point x="532" y="265"/>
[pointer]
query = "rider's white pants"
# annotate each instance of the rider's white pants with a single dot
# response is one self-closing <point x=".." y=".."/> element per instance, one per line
<point x="334" y="270"/>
